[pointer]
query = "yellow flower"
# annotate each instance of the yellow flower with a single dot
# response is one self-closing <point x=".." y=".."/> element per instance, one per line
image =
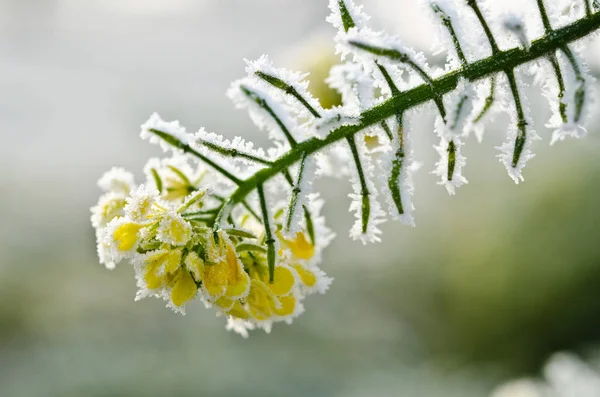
<point x="184" y="289"/>
<point x="283" y="281"/>
<point x="173" y="229"/>
<point x="161" y="268"/>
<point x="263" y="304"/>
<point x="224" y="273"/>
<point x="301" y="248"/>
<point x="109" y="207"/>
<point x="261" y="301"/>
<point x="287" y="305"/>
<point x="308" y="278"/>
<point x="126" y="235"/>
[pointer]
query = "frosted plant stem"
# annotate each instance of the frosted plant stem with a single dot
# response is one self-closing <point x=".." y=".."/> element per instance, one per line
<point x="489" y="101"/>
<point x="562" y="106"/>
<point x="398" y="161"/>
<point x="580" y="92"/>
<point x="184" y="147"/>
<point x="488" y="32"/>
<point x="544" y="16"/>
<point x="290" y="90"/>
<point x="588" y="7"/>
<point x="487" y="67"/>
<point x="447" y="22"/>
<point x="264" y="104"/>
<point x="270" y="241"/>
<point x="231" y="152"/>
<point x="296" y="190"/>
<point x="366" y="203"/>
<point x="521" y="122"/>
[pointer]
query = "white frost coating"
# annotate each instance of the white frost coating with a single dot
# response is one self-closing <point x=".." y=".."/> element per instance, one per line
<point x="294" y="79"/>
<point x="576" y="118"/>
<point x="376" y="213"/>
<point x="335" y="18"/>
<point x="508" y="147"/>
<point x="238" y="165"/>
<point x="354" y="85"/>
<point x="441" y="167"/>
<point x="405" y="178"/>
<point x="323" y="234"/>
<point x="499" y="105"/>
<point x="117" y="180"/>
<point x="446" y="43"/>
<point x="515" y="25"/>
<point x="170" y="127"/>
<point x="260" y="117"/>
<point x="460" y="111"/>
<point x="379" y="39"/>
<point x="335" y="161"/>
<point x="305" y="186"/>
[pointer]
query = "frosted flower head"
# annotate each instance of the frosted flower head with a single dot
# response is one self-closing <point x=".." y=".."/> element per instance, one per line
<point x="140" y="205"/>
<point x="117" y="181"/>
<point x="174" y="230"/>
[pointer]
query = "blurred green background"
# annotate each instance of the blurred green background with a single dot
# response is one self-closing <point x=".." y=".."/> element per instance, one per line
<point x="490" y="283"/>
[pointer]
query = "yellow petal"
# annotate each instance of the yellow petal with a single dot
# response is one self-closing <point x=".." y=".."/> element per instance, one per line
<point x="308" y="278"/>
<point x="238" y="311"/>
<point x="126" y="235"/>
<point x="238" y="281"/>
<point x="152" y="280"/>
<point x="184" y="289"/>
<point x="283" y="281"/>
<point x="173" y="260"/>
<point x="300" y="246"/>
<point x="288" y="305"/>
<point x="224" y="303"/>
<point x="260" y="301"/>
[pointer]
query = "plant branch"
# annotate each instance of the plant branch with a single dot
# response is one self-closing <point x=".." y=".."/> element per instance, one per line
<point x="487" y="67"/>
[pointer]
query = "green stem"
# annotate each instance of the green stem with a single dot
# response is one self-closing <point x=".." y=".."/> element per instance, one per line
<point x="231" y="152"/>
<point x="288" y="89"/>
<point x="521" y="138"/>
<point x="580" y="91"/>
<point x="184" y="147"/>
<point x="366" y="204"/>
<point x="483" y="68"/>
<point x="489" y="101"/>
<point x="488" y="32"/>
<point x="544" y="16"/>
<point x="270" y="241"/>
<point x="447" y="22"/>
<point x="265" y="106"/>
<point x="562" y="106"/>
<point x="296" y="190"/>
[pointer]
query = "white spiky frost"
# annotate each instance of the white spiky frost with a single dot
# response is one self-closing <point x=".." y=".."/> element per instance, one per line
<point x="117" y="180"/>
<point x="405" y="178"/>
<point x="445" y="44"/>
<point x="514" y="24"/>
<point x="294" y="79"/>
<point x="335" y="19"/>
<point x="260" y="117"/>
<point x="452" y="132"/>
<point x="382" y="40"/>
<point x="507" y="149"/>
<point x="173" y="128"/>
<point x="575" y="85"/>
<point x="304" y="187"/>
<point x="376" y="213"/>
<point x="354" y="85"/>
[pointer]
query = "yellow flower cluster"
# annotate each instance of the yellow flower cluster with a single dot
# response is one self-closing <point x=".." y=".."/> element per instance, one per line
<point x="166" y="229"/>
